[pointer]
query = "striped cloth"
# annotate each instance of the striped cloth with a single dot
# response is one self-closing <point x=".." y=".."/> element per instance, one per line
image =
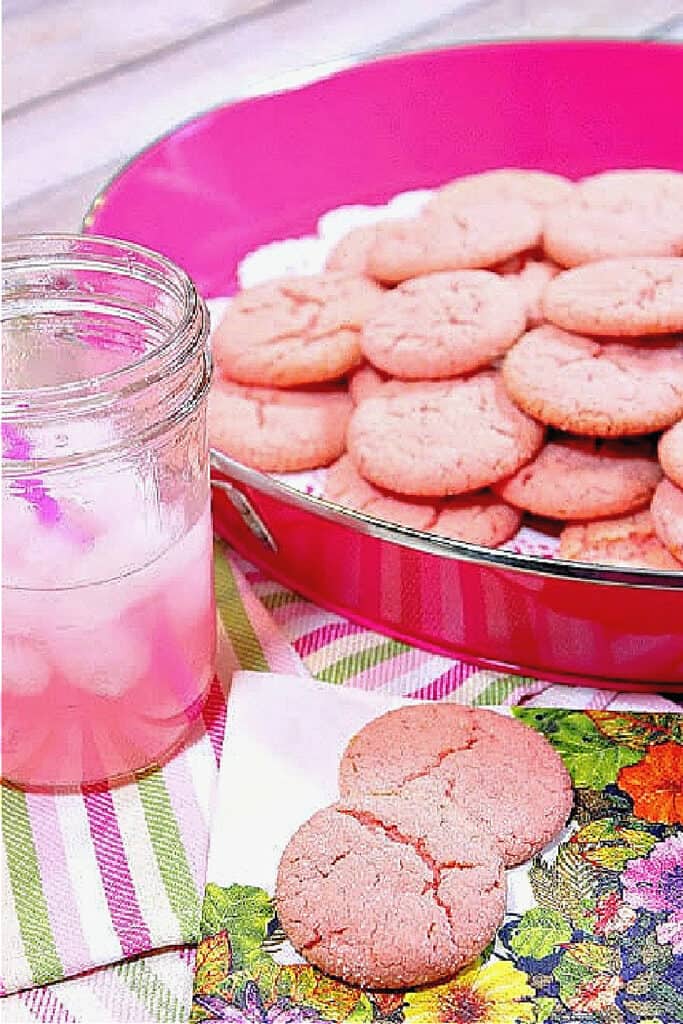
<point x="92" y="879"/>
<point x="89" y="879"/>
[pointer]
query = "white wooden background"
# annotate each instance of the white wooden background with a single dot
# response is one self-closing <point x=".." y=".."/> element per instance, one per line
<point x="86" y="83"/>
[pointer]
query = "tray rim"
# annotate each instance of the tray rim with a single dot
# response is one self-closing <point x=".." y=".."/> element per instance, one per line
<point x="445" y="547"/>
<point x="570" y="571"/>
<point x="334" y="71"/>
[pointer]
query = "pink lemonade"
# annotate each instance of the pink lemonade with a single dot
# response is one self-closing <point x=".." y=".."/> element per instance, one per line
<point x="108" y="626"/>
<point x="99" y="678"/>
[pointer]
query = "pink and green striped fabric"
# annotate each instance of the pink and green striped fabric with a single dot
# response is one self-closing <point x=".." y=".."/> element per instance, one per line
<point x="109" y="876"/>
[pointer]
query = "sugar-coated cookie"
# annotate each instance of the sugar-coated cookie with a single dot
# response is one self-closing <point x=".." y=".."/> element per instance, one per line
<point x="596" y="388"/>
<point x="539" y="188"/>
<point x="479" y="517"/>
<point x="442" y="437"/>
<point x="531" y="276"/>
<point x="624" y="540"/>
<point x="443" y="325"/>
<point x="298" y="330"/>
<point x="469" y="759"/>
<point x="618" y="213"/>
<point x="345" y="486"/>
<point x="350" y="253"/>
<point x="473" y="236"/>
<point x="476" y="518"/>
<point x="671" y="453"/>
<point x="667" y="517"/>
<point x="365" y="382"/>
<point x="619" y="298"/>
<point x="584" y="478"/>
<point x="278" y="431"/>
<point x="369" y="382"/>
<point x="389" y="897"/>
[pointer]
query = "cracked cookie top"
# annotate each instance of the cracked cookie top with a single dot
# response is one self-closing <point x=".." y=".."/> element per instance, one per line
<point x="485" y="767"/>
<point x="617" y="213"/>
<point x="596" y="387"/>
<point x="478" y="517"/>
<point x="621" y="540"/>
<point x="278" y="431"/>
<point x="619" y="298"/>
<point x="444" y="325"/>
<point x="585" y="478"/>
<point x="441" y="437"/>
<point x="467" y="236"/>
<point x="299" y="330"/>
<point x="540" y="189"/>
<point x="389" y="894"/>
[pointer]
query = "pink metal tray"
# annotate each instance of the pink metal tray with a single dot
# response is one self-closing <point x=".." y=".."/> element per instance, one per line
<point x="265" y="169"/>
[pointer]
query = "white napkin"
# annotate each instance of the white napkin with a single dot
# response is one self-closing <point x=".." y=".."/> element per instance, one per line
<point x="284" y="737"/>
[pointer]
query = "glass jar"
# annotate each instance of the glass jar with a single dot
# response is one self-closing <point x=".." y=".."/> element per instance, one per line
<point x="108" y="632"/>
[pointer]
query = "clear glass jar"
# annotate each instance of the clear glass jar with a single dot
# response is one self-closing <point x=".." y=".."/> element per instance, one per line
<point x="108" y="632"/>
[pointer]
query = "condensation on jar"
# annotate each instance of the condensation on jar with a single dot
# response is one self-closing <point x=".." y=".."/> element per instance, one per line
<point x="108" y="612"/>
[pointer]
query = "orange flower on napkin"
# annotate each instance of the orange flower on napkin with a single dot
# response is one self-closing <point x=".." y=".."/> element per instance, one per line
<point x="655" y="784"/>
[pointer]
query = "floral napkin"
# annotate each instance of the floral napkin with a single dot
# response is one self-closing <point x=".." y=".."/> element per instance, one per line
<point x="593" y="932"/>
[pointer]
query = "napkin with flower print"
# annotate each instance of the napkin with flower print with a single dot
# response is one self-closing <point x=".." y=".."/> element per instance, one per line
<point x="594" y="926"/>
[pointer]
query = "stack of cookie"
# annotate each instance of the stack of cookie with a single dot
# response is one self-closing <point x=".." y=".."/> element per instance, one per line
<point x="462" y="376"/>
<point x="279" y="401"/>
<point x="402" y="881"/>
<point x="667" y="504"/>
<point x="607" y="365"/>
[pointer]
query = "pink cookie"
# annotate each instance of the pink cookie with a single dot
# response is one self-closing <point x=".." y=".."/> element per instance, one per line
<point x="389" y="897"/>
<point x="516" y="264"/>
<point x="443" y="325"/>
<point x="368" y="382"/>
<point x="350" y="254"/>
<point x="442" y="438"/>
<point x="624" y="540"/>
<point x="671" y="453"/>
<point x="477" y="518"/>
<point x="469" y="237"/>
<point x="365" y="382"/>
<point x="539" y="188"/>
<point x="596" y="388"/>
<point x="474" y="761"/>
<point x="618" y="213"/>
<point x="396" y="745"/>
<point x="667" y="517"/>
<point x="583" y="478"/>
<point x="531" y="277"/>
<point x="619" y="298"/>
<point x="345" y="486"/>
<point x="295" y="331"/>
<point x="278" y="431"/>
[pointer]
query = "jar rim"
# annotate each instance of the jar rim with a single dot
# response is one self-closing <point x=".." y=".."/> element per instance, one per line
<point x="181" y="324"/>
<point x="17" y="255"/>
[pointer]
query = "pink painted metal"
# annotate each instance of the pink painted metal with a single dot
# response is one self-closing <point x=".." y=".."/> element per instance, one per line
<point x="616" y="628"/>
<point x="267" y="168"/>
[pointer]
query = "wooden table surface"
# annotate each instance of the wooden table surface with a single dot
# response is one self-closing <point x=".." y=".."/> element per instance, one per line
<point x="87" y="83"/>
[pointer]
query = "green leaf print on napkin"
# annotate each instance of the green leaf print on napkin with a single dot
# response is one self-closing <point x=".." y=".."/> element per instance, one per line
<point x="595" y="956"/>
<point x="237" y="976"/>
<point x="570" y="975"/>
<point x="539" y="932"/>
<point x="244" y="912"/>
<point x="569" y="885"/>
<point x="544" y="1006"/>
<point x="592" y="759"/>
<point x="607" y="844"/>
<point x="637" y="731"/>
